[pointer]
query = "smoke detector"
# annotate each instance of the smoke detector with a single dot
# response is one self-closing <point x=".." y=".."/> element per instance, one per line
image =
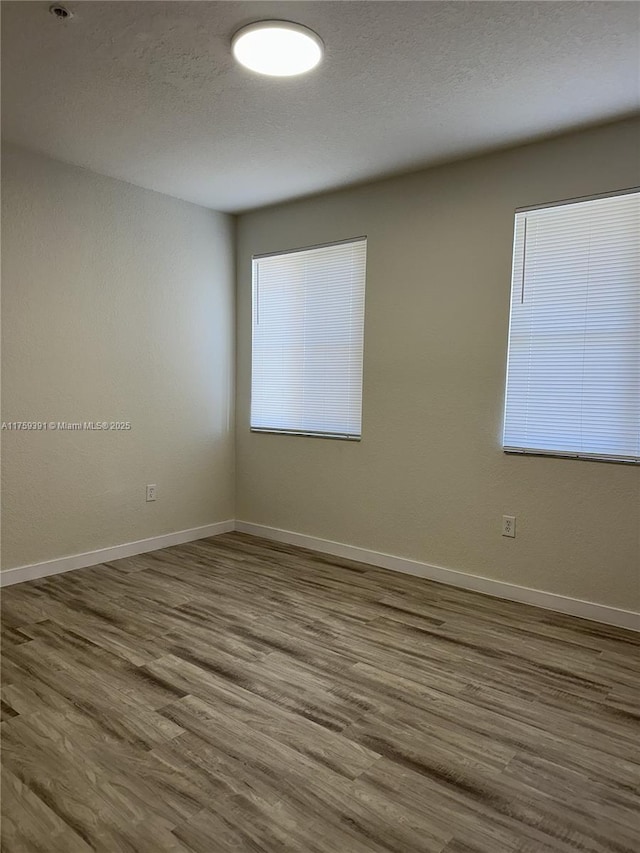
<point x="60" y="12"/>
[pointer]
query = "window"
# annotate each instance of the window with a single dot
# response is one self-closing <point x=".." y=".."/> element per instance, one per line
<point x="573" y="373"/>
<point x="308" y="330"/>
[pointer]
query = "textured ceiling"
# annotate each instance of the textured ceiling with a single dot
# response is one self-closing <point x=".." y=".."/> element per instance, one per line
<point x="148" y="92"/>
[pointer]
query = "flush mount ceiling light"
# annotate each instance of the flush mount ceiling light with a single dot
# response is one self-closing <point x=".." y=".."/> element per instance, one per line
<point x="277" y="48"/>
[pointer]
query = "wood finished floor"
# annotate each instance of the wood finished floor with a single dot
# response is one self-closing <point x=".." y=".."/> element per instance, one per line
<point x="240" y="695"/>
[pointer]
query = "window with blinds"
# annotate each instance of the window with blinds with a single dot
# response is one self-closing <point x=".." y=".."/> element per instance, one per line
<point x="573" y="372"/>
<point x="308" y="332"/>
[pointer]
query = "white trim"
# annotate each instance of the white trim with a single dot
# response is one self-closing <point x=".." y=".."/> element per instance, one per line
<point x="487" y="586"/>
<point x="116" y="552"/>
<point x="536" y="597"/>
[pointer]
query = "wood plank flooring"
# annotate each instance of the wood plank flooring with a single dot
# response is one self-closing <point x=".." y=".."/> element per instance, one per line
<point x="240" y="695"/>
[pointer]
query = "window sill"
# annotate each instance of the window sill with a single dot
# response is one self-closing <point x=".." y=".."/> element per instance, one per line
<point x="339" y="436"/>
<point x="589" y="457"/>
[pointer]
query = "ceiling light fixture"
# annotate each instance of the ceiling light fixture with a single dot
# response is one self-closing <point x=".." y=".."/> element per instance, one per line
<point x="277" y="48"/>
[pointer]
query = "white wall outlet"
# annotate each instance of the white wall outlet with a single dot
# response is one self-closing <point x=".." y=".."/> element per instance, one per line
<point x="509" y="526"/>
<point x="151" y="492"/>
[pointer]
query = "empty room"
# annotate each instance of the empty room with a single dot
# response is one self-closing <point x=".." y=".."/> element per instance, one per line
<point x="320" y="427"/>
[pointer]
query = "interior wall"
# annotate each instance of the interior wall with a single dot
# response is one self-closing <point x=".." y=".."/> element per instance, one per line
<point x="429" y="480"/>
<point x="117" y="305"/>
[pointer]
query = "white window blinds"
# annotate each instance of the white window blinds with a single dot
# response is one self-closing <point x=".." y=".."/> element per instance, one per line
<point x="308" y="330"/>
<point x="573" y="373"/>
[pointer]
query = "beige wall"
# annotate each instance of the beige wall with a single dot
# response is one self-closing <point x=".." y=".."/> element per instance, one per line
<point x="117" y="304"/>
<point x="429" y="481"/>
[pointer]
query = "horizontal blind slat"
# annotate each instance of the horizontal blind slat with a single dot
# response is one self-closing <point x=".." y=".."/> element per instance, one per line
<point x="308" y="327"/>
<point x="573" y="372"/>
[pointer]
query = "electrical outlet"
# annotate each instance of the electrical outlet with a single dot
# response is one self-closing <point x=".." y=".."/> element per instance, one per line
<point x="509" y="526"/>
<point x="151" y="492"/>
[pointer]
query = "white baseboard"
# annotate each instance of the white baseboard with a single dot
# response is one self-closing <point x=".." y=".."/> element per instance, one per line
<point x="116" y="552"/>
<point x="536" y="597"/>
